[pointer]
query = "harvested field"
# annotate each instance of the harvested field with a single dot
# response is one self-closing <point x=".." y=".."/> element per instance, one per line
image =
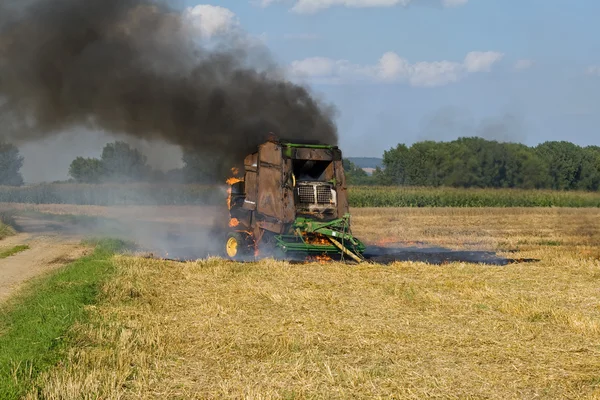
<point x="217" y="329"/>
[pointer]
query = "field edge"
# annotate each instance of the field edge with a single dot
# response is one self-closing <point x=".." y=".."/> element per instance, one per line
<point x="34" y="339"/>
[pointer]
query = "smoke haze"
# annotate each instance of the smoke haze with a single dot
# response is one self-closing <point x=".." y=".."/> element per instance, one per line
<point x="135" y="67"/>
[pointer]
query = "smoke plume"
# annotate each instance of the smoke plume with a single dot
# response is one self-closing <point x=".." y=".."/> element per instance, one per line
<point x="137" y="67"/>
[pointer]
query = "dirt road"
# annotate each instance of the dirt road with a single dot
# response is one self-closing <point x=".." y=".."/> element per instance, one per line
<point x="50" y="248"/>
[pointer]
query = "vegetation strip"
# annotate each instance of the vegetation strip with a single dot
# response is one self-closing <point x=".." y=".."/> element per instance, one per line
<point x="359" y="196"/>
<point x="6" y="225"/>
<point x="12" y="251"/>
<point x="5" y="231"/>
<point x="34" y="325"/>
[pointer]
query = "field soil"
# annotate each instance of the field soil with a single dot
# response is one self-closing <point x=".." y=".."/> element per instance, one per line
<point x="50" y="248"/>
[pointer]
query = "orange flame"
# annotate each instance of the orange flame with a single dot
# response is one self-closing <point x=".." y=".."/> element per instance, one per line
<point x="316" y="239"/>
<point x="232" y="181"/>
<point x="321" y="259"/>
<point x="234" y="222"/>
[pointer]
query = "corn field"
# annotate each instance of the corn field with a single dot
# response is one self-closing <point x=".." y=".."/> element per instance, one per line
<point x="360" y="196"/>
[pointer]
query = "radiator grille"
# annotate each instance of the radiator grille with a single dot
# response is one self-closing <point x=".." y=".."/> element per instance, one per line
<point x="324" y="195"/>
<point x="306" y="194"/>
<point x="315" y="194"/>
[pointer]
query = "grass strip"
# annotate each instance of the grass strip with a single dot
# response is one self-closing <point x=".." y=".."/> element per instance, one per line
<point x="35" y="323"/>
<point x="13" y="251"/>
<point x="6" y="224"/>
<point x="5" y="231"/>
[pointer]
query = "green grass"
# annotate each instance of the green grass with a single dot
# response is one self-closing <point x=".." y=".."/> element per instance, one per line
<point x="34" y="324"/>
<point x="11" y="252"/>
<point x="5" y="231"/>
<point x="6" y="225"/>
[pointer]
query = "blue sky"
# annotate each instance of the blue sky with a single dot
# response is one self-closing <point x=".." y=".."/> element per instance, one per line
<point x="533" y="74"/>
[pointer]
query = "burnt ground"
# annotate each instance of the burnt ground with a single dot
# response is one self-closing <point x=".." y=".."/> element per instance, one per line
<point x="436" y="256"/>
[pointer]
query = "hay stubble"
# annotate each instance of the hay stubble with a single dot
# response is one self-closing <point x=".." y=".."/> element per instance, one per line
<point x="214" y="329"/>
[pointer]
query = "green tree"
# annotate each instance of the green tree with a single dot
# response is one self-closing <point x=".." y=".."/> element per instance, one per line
<point x="87" y="170"/>
<point x="11" y="162"/>
<point x="122" y="163"/>
<point x="354" y="174"/>
<point x="564" y="161"/>
<point x="396" y="163"/>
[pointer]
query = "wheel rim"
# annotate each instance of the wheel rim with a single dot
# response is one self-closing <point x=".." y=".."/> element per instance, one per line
<point x="232" y="247"/>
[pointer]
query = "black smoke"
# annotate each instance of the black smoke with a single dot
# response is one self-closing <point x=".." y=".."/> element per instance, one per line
<point x="136" y="67"/>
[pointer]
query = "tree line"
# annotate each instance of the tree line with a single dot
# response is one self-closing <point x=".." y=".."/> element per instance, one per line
<point x="463" y="163"/>
<point x="481" y="163"/>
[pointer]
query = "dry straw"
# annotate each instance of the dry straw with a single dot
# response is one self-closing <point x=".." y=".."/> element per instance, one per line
<point x="215" y="329"/>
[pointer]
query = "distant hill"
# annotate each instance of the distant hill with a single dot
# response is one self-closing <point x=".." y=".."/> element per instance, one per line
<point x="367" y="162"/>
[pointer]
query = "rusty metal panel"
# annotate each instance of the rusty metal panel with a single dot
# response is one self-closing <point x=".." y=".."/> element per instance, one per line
<point x="342" y="191"/>
<point x="270" y="153"/>
<point x="269" y="192"/>
<point x="289" y="206"/>
<point x="250" y="184"/>
<point x="314" y="154"/>
<point x="251" y="162"/>
<point x="330" y="172"/>
<point x="270" y="176"/>
<point x="270" y="226"/>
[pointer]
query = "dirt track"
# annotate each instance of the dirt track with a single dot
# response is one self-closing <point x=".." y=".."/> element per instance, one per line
<point x="49" y="249"/>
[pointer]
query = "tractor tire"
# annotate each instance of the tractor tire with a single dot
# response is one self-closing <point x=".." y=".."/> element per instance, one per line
<point x="237" y="246"/>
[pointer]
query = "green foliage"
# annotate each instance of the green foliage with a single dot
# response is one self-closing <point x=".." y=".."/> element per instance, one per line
<point x="118" y="163"/>
<point x="12" y="251"/>
<point x="35" y="325"/>
<point x="480" y="163"/>
<point x="121" y="163"/>
<point x="366" y="162"/>
<point x="10" y="164"/>
<point x="7" y="224"/>
<point x="384" y="196"/>
<point x="354" y="174"/>
<point x="87" y="170"/>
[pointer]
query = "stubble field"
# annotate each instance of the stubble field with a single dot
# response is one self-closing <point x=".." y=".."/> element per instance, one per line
<point x="217" y="329"/>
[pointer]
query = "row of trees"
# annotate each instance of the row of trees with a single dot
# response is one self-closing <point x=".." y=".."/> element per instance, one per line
<point x="465" y="162"/>
<point x="121" y="163"/>
<point x="476" y="162"/>
<point x="117" y="163"/>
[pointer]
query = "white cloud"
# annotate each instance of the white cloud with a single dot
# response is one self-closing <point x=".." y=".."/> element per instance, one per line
<point x="312" y="6"/>
<point x="314" y="66"/>
<point x="594" y="70"/>
<point x="393" y="68"/>
<point x="211" y="20"/>
<point x="523" y="64"/>
<point x="477" y="61"/>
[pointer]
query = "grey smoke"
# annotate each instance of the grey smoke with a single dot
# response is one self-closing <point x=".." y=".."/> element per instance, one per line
<point x="449" y="123"/>
<point x="135" y="67"/>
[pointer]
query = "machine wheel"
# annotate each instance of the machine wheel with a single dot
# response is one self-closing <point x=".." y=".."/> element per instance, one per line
<point x="236" y="246"/>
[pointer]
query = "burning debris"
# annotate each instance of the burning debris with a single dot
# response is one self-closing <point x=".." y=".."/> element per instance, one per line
<point x="291" y="200"/>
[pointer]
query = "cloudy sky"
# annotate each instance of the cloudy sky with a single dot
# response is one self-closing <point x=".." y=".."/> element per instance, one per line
<point x="409" y="70"/>
<point x="401" y="71"/>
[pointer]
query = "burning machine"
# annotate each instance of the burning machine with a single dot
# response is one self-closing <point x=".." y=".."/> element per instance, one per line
<point x="292" y="198"/>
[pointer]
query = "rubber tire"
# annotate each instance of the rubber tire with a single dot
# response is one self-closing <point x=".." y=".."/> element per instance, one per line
<point x="242" y="248"/>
